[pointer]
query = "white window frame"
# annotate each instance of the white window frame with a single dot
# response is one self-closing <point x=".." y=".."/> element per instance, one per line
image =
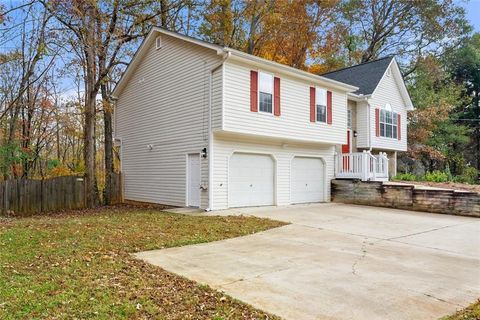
<point x="319" y="103"/>
<point x="387" y="109"/>
<point x="349" y="118"/>
<point x="259" y="91"/>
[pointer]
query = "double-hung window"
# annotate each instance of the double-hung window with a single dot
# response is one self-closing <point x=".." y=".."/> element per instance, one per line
<point x="388" y="123"/>
<point x="265" y="92"/>
<point x="321" y="104"/>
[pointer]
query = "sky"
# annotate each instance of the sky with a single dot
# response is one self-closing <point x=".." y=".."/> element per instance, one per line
<point x="472" y="9"/>
<point x="473" y="13"/>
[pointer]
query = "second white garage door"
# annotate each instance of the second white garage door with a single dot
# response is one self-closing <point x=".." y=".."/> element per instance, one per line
<point x="308" y="180"/>
<point x="251" y="180"/>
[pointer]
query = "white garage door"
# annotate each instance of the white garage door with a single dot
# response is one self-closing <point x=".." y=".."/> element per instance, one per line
<point x="308" y="183"/>
<point x="251" y="180"/>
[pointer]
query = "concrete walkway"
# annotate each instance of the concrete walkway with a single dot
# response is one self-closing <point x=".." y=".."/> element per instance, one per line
<point x="341" y="262"/>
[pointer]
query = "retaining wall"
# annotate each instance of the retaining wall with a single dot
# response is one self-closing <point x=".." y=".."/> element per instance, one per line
<point x="406" y="197"/>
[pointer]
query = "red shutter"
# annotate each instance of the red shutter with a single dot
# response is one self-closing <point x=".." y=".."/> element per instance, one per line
<point x="399" y="128"/>
<point x="276" y="96"/>
<point x="329" y="107"/>
<point x="377" y="122"/>
<point x="253" y="91"/>
<point x="312" y="104"/>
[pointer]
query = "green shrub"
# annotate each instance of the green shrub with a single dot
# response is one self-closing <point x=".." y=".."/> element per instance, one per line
<point x="405" y="176"/>
<point x="436" y="176"/>
<point x="470" y="175"/>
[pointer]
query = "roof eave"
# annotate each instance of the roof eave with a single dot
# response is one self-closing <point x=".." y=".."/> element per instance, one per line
<point x="359" y="97"/>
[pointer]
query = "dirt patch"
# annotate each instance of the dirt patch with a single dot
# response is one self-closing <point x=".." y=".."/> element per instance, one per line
<point x="449" y="185"/>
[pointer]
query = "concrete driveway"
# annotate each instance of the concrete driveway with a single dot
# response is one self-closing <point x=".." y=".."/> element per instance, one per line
<point x="338" y="261"/>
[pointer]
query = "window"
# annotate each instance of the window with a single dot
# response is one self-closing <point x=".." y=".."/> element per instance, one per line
<point x="349" y="118"/>
<point x="265" y="100"/>
<point x="388" y="122"/>
<point x="321" y="101"/>
<point x="158" y="42"/>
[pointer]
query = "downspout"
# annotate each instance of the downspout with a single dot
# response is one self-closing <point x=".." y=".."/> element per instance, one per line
<point x="115" y="131"/>
<point x="369" y="130"/>
<point x="226" y="55"/>
<point x="369" y="127"/>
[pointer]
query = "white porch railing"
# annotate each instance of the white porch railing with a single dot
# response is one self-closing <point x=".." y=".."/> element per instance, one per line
<point x="362" y="165"/>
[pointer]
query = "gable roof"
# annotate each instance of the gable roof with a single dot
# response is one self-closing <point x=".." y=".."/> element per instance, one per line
<point x="365" y="76"/>
<point x="226" y="52"/>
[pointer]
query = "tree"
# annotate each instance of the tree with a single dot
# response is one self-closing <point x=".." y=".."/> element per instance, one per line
<point x="406" y="28"/>
<point x="23" y="84"/>
<point x="464" y="65"/>
<point x="100" y="32"/>
<point x="432" y="135"/>
<point x="296" y="31"/>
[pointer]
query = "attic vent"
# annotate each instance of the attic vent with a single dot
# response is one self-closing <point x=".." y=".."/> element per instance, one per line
<point x="158" y="42"/>
<point x="389" y="72"/>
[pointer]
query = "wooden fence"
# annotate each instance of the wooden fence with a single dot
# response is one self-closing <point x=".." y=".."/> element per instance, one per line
<point x="23" y="197"/>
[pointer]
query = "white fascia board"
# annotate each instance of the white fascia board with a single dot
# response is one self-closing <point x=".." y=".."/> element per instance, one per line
<point x="358" y="97"/>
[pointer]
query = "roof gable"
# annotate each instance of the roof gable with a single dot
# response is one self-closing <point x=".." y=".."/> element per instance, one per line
<point x="224" y="51"/>
<point x="400" y="83"/>
<point x="365" y="76"/>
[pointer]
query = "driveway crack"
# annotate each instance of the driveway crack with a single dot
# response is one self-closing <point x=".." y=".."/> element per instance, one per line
<point x="427" y="231"/>
<point x="438" y="299"/>
<point x="254" y="277"/>
<point x="364" y="254"/>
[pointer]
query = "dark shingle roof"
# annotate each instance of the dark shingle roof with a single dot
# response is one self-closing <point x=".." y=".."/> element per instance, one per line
<point x="366" y="76"/>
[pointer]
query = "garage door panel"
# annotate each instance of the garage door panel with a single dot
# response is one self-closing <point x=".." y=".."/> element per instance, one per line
<point x="308" y="182"/>
<point x="251" y="180"/>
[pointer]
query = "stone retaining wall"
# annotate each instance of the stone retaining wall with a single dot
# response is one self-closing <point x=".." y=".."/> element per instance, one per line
<point x="406" y="197"/>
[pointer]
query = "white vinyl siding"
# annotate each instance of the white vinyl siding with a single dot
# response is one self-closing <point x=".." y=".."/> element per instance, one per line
<point x="294" y="122"/>
<point x="363" y="125"/>
<point x="388" y="91"/>
<point x="224" y="147"/>
<point x="217" y="88"/>
<point x="165" y="104"/>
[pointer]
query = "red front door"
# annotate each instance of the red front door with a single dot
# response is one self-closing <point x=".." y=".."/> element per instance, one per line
<point x="346" y="149"/>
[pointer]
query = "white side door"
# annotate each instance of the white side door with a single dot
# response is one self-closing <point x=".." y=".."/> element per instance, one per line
<point x="193" y="180"/>
<point x="308" y="180"/>
<point x="251" y="180"/>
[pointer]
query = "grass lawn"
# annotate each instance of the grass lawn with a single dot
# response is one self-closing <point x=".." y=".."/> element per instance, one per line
<point x="470" y="313"/>
<point x="80" y="266"/>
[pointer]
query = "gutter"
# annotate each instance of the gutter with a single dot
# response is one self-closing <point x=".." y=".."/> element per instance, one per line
<point x="226" y="56"/>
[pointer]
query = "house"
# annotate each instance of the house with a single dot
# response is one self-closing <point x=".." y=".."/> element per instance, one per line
<point x="377" y="111"/>
<point x="211" y="127"/>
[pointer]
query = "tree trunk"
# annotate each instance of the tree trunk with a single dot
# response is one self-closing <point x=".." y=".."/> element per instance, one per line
<point x="163" y="13"/>
<point x="90" y="101"/>
<point x="108" y="132"/>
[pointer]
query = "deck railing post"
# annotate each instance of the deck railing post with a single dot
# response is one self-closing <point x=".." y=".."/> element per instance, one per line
<point x="365" y="165"/>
